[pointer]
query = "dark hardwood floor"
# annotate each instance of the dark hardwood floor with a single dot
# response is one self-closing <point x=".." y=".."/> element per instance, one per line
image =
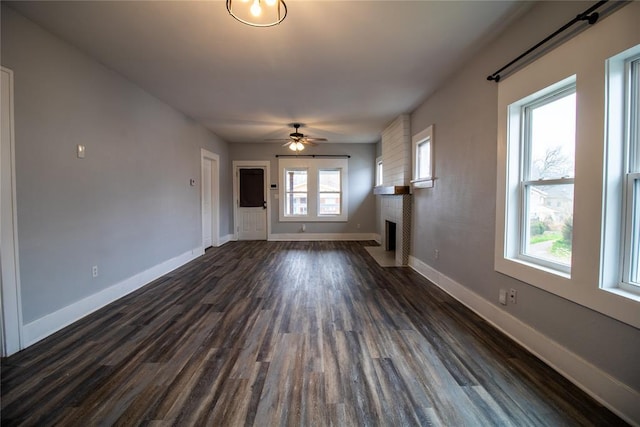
<point x="284" y="333"/>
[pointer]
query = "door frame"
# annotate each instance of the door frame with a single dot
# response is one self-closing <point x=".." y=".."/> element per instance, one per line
<point x="247" y="164"/>
<point x="11" y="307"/>
<point x="215" y="196"/>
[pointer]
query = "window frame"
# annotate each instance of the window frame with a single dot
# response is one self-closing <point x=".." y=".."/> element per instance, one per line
<point x="320" y="192"/>
<point x="313" y="167"/>
<point x="622" y="175"/>
<point x="286" y="193"/>
<point x="379" y="172"/>
<point x="545" y="97"/>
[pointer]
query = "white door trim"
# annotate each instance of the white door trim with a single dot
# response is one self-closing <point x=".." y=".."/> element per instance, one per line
<point x="12" y="336"/>
<point x="237" y="164"/>
<point x="215" y="195"/>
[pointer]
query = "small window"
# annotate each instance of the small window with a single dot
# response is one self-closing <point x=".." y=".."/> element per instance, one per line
<point x="422" y="158"/>
<point x="379" y="172"/>
<point x="295" y="192"/>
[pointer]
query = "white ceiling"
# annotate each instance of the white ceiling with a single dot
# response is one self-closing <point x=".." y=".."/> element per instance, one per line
<point x="345" y="69"/>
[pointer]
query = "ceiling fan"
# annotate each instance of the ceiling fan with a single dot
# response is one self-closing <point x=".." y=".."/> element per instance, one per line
<point x="297" y="140"/>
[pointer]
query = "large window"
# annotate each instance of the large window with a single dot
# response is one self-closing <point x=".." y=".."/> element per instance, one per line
<point x="313" y="189"/>
<point x="547" y="155"/>
<point x="541" y="143"/>
<point x="621" y="223"/>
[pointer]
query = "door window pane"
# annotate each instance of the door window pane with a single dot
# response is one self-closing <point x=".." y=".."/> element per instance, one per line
<point x="251" y="188"/>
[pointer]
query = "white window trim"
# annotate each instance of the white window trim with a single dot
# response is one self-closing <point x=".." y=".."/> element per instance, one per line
<point x="585" y="56"/>
<point x="416" y="140"/>
<point x="313" y="167"/>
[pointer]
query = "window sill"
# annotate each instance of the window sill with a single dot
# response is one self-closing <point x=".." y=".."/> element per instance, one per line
<point x="623" y="293"/>
<point x="423" y="183"/>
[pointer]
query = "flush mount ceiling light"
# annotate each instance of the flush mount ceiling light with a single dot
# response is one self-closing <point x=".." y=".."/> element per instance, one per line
<point x="258" y="13"/>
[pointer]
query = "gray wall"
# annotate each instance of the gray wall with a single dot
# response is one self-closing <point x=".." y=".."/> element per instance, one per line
<point x="128" y="205"/>
<point x="457" y="216"/>
<point x="361" y="180"/>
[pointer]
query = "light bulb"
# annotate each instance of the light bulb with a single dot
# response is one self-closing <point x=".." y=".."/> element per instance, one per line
<point x="255" y="8"/>
<point x="293" y="147"/>
<point x="270" y="2"/>
<point x="299" y="146"/>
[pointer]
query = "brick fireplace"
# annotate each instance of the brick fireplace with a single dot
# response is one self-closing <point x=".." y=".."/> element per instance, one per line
<point x="395" y="198"/>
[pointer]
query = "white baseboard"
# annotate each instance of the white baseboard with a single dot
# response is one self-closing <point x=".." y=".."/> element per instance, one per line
<point x="226" y="239"/>
<point x="287" y="237"/>
<point x="615" y="395"/>
<point x="53" y="322"/>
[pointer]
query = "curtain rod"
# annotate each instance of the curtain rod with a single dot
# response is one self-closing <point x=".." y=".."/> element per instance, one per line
<point x="325" y="156"/>
<point x="588" y="15"/>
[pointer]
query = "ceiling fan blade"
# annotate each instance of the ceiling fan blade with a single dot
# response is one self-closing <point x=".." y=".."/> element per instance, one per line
<point x="278" y="140"/>
<point x="287" y="143"/>
<point x="307" y="142"/>
<point x="315" y="139"/>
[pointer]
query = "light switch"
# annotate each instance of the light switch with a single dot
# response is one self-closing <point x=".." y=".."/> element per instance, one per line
<point x="80" y="150"/>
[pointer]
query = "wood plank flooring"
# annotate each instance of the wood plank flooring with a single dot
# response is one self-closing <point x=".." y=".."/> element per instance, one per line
<point x="288" y="333"/>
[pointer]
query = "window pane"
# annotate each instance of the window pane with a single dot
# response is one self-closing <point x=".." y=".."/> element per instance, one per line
<point x="424" y="159"/>
<point x="330" y="180"/>
<point x="634" y="278"/>
<point x="634" y="126"/>
<point x="549" y="219"/>
<point x="296" y="180"/>
<point x="329" y="204"/>
<point x="379" y="177"/>
<point x="552" y="130"/>
<point x="296" y="204"/>
<point x="329" y="194"/>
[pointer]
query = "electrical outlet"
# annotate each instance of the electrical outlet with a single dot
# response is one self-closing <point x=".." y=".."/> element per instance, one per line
<point x="436" y="253"/>
<point x="513" y="296"/>
<point x="94" y="271"/>
<point x="503" y="297"/>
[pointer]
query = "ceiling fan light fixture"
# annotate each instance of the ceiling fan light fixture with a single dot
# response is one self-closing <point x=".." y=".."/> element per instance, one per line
<point x="296" y="146"/>
<point x="258" y="13"/>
